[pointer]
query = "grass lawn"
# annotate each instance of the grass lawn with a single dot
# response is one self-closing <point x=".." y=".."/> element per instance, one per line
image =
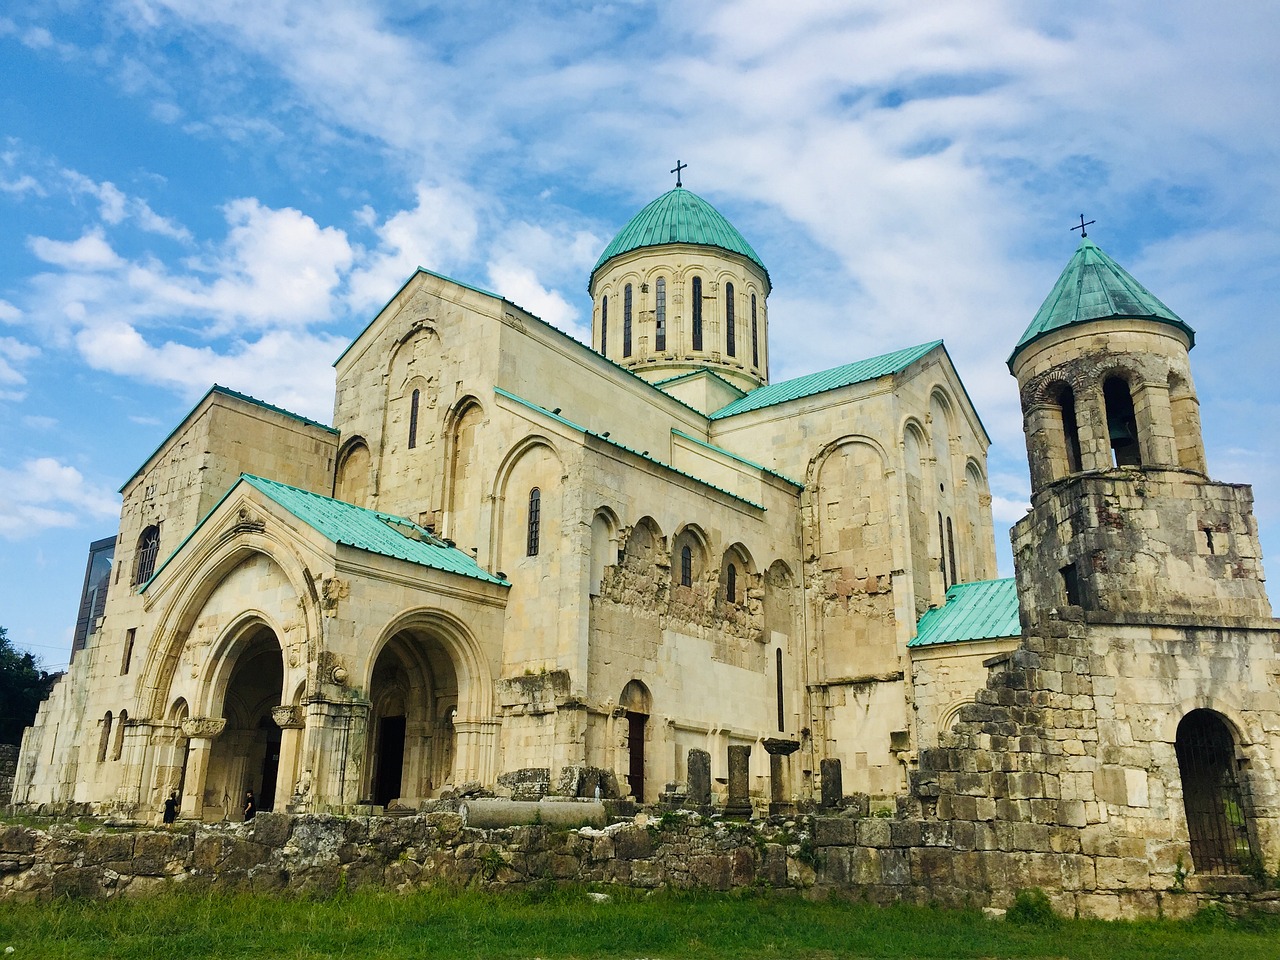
<point x="567" y="924"/>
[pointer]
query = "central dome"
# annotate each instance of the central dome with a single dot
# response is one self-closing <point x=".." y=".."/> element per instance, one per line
<point x="678" y="216"/>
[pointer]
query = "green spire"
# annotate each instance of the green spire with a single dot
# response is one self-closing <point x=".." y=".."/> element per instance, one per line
<point x="678" y="216"/>
<point x="1095" y="287"/>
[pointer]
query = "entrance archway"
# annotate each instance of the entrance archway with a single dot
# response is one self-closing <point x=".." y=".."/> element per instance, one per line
<point x="635" y="701"/>
<point x="1212" y="795"/>
<point x="247" y="754"/>
<point x="414" y="696"/>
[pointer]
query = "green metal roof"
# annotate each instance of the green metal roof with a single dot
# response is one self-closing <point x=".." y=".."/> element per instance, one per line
<point x="985" y="610"/>
<point x="678" y="216"/>
<point x="345" y="523"/>
<point x="824" y="380"/>
<point x="1095" y="287"/>
<point x="733" y="456"/>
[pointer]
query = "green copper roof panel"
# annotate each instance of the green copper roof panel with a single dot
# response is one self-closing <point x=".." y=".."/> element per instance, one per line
<point x="370" y="530"/>
<point x="1095" y="287"/>
<point x="985" y="610"/>
<point x="824" y="380"/>
<point x="678" y="216"/>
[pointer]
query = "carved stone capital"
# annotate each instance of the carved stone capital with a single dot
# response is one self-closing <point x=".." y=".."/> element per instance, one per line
<point x="204" y="728"/>
<point x="287" y="717"/>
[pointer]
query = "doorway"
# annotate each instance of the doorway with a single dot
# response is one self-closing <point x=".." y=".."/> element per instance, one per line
<point x="1212" y="795"/>
<point x="390" y="760"/>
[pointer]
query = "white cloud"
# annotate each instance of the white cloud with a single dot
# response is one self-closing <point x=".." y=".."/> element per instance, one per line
<point x="44" y="493"/>
<point x="14" y="351"/>
<point x="90" y="252"/>
<point x="114" y="206"/>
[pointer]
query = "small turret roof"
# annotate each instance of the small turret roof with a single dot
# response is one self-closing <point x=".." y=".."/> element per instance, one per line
<point x="678" y="216"/>
<point x="1095" y="287"/>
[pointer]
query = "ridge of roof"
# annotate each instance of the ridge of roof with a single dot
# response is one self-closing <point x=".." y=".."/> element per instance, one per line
<point x="678" y="216"/>
<point x="693" y="373"/>
<point x="813" y="383"/>
<point x="644" y="455"/>
<point x="729" y="453"/>
<point x="981" y="610"/>
<point x="1092" y="286"/>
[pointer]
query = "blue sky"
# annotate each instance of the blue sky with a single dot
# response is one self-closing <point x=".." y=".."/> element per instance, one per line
<point x="199" y="191"/>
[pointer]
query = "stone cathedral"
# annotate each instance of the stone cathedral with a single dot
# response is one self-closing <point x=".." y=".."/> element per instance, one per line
<point x="513" y="554"/>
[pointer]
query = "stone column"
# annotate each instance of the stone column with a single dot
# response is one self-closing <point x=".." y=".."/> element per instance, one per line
<point x="336" y="743"/>
<point x="780" y="802"/>
<point x="201" y="732"/>
<point x="699" y="787"/>
<point x="832" y="783"/>
<point x="289" y="719"/>
<point x="739" y="804"/>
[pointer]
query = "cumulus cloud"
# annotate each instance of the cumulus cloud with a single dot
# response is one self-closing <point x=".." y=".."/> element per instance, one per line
<point x="43" y="493"/>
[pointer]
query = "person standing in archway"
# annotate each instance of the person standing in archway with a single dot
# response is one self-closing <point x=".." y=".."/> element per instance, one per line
<point x="250" y="806"/>
<point x="171" y="807"/>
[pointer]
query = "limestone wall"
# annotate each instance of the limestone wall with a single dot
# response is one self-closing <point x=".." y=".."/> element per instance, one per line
<point x="881" y="860"/>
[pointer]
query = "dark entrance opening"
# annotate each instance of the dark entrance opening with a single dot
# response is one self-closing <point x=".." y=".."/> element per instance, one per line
<point x="635" y="747"/>
<point x="270" y="765"/>
<point x="390" y="759"/>
<point x="1216" y="807"/>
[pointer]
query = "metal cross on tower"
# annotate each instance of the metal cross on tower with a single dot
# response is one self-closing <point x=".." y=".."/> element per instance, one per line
<point x="676" y="170"/>
<point x="1082" y="226"/>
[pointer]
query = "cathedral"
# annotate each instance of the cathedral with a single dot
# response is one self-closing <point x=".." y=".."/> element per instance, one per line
<point x="515" y="554"/>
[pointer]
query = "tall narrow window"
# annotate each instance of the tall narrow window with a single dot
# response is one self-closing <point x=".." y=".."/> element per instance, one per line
<point x="731" y="584"/>
<point x="626" y="320"/>
<point x="1071" y="584"/>
<point x="782" y="717"/>
<point x="104" y="739"/>
<point x="686" y="566"/>
<point x="119" y="749"/>
<point x="1122" y="424"/>
<point x="535" y="522"/>
<point x="755" y="335"/>
<point x="604" y="326"/>
<point x="1070" y="428"/>
<point x="730" y="331"/>
<point x="697" y="313"/>
<point x="413" y="419"/>
<point x="942" y="554"/>
<point x="660" y="315"/>
<point x="951" y="550"/>
<point x="128" y="650"/>
<point x="144" y="564"/>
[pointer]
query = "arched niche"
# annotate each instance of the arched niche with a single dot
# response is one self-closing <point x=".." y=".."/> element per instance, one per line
<point x="353" y="478"/>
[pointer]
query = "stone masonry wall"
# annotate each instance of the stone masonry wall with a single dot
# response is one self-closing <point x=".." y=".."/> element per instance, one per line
<point x="880" y="860"/>
<point x="8" y="769"/>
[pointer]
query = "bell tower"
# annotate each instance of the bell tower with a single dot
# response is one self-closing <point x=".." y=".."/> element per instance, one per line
<point x="1125" y="525"/>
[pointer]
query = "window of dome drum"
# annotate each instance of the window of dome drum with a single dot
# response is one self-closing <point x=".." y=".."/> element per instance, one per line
<point x="535" y="522"/>
<point x="660" y="315"/>
<point x="626" y="320"/>
<point x="413" y="419"/>
<point x="604" y="326"/>
<point x="697" y="313"/>
<point x="755" y="335"/>
<point x="730" y="339"/>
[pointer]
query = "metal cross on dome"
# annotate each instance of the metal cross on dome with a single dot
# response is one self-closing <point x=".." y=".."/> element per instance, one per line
<point x="1082" y="226"/>
<point x="676" y="170"/>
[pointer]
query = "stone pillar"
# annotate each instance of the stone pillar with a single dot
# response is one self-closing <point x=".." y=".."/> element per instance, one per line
<point x="699" y="765"/>
<point x="780" y="802"/>
<point x="289" y="719"/>
<point x="832" y="783"/>
<point x="739" y="804"/>
<point x="201" y="732"/>
<point x="336" y="743"/>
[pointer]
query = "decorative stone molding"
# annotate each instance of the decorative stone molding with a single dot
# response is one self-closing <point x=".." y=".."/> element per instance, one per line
<point x="204" y="728"/>
<point x="287" y="717"/>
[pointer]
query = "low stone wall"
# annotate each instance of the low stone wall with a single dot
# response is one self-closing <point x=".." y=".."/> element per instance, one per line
<point x="875" y="859"/>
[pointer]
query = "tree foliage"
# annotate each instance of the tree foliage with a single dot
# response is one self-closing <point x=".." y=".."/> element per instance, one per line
<point x="23" y="685"/>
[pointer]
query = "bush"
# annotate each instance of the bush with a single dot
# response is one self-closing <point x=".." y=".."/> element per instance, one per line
<point x="1031" y="908"/>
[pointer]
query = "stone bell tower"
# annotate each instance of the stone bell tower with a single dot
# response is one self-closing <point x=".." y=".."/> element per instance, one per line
<point x="1125" y="525"/>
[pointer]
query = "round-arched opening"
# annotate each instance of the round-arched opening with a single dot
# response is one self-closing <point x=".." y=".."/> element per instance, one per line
<point x="637" y="702"/>
<point x="246" y="756"/>
<point x="1213" y="795"/>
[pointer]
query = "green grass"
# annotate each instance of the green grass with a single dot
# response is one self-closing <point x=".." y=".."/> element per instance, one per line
<point x="372" y="925"/>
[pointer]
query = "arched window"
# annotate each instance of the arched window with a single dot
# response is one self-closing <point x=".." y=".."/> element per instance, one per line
<point x="626" y="320"/>
<point x="144" y="564"/>
<point x="660" y="315"/>
<point x="697" y="313"/>
<point x="413" y="419"/>
<point x="951" y="551"/>
<point x="535" y="522"/>
<point x="604" y="326"/>
<point x="1122" y="423"/>
<point x="119" y="748"/>
<point x="686" y="566"/>
<point x="730" y="333"/>
<point x="1066" y="400"/>
<point x="755" y="335"/>
<point x="1218" y="817"/>
<point x="731" y="584"/>
<point x="104" y="739"/>
<point x="942" y="554"/>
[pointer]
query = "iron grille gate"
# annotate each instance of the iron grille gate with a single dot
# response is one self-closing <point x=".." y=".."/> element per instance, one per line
<point x="1217" y="818"/>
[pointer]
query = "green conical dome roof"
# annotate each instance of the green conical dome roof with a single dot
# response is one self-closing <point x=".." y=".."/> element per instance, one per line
<point x="678" y="216"/>
<point x="1095" y="287"/>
